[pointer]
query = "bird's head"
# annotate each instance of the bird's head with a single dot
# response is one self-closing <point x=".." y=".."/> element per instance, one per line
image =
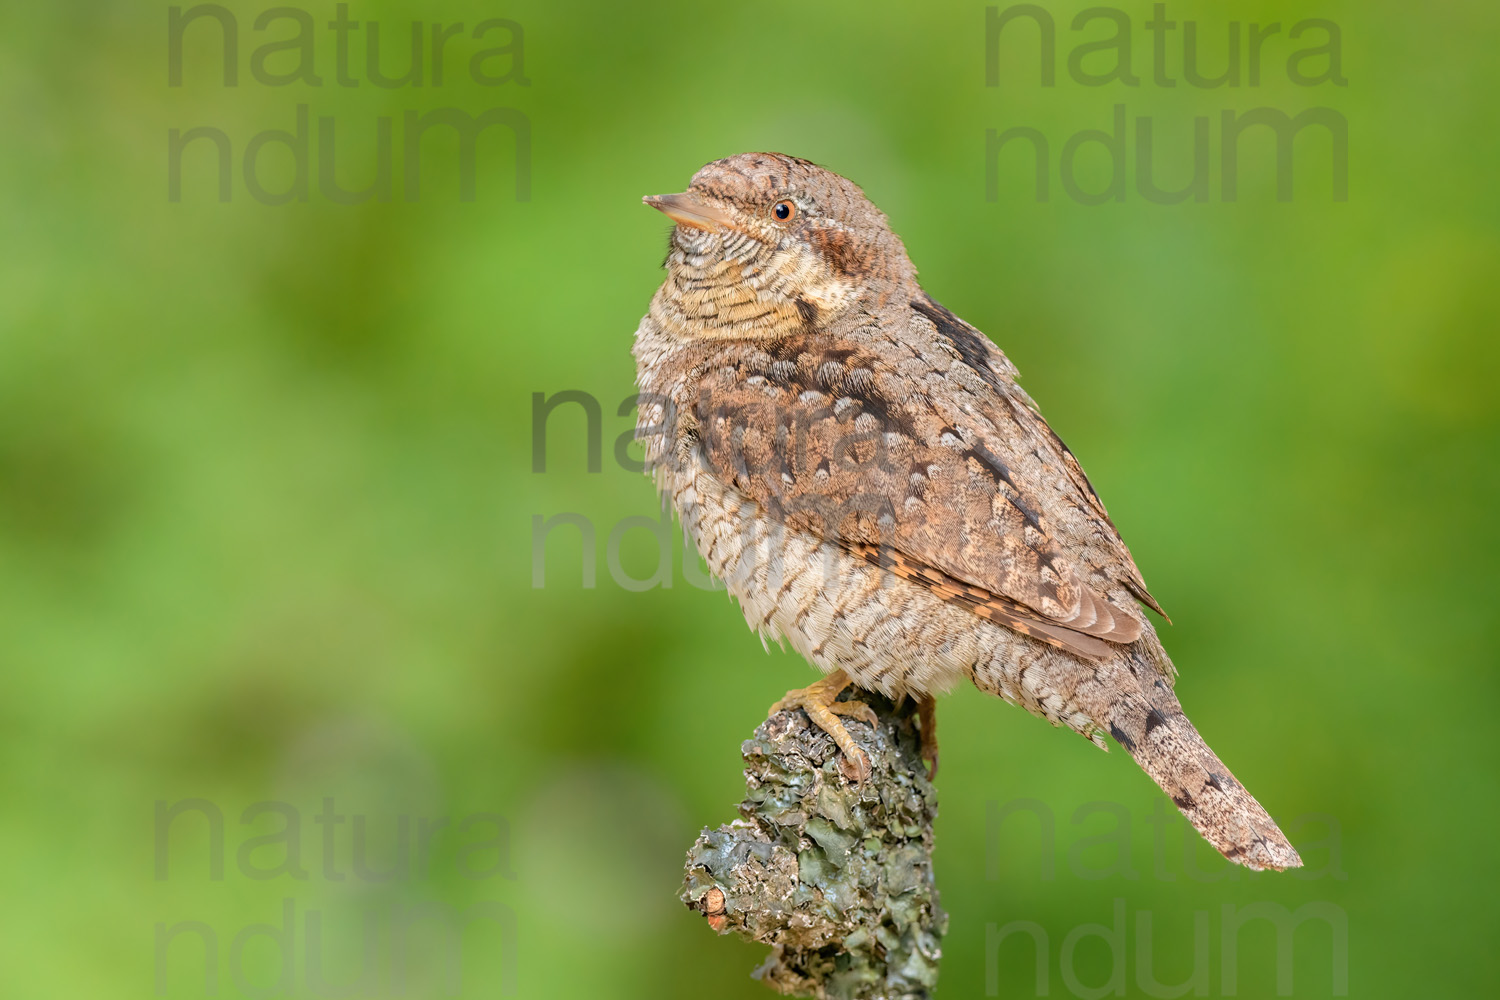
<point x="766" y="244"/>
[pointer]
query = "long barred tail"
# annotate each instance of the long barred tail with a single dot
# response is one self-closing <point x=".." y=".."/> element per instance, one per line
<point x="1153" y="729"/>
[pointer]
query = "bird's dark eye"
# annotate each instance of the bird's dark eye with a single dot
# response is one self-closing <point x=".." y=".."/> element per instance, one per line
<point x="783" y="210"/>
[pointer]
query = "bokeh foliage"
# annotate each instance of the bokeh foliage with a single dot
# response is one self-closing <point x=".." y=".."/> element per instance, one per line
<point x="266" y="487"/>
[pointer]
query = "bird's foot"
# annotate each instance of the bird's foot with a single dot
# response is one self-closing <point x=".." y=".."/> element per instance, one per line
<point x="927" y="720"/>
<point x="819" y="701"/>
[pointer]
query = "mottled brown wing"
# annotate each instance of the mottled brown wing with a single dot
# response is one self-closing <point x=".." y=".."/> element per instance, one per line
<point x="1089" y="526"/>
<point x="994" y="607"/>
<point x="963" y="491"/>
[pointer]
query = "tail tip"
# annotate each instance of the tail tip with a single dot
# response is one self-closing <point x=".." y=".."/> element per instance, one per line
<point x="1264" y="854"/>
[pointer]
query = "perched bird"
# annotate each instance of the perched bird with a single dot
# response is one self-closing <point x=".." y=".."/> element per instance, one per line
<point x="861" y="468"/>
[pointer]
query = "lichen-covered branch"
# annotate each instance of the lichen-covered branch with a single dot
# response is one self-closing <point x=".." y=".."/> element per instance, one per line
<point x="836" y="876"/>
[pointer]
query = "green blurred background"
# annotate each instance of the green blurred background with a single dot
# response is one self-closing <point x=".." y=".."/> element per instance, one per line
<point x="267" y="499"/>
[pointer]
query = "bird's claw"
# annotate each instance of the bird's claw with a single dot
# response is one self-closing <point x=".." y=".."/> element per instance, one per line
<point x="818" y="700"/>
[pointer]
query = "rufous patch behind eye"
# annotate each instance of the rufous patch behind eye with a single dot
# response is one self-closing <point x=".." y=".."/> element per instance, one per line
<point x="836" y="247"/>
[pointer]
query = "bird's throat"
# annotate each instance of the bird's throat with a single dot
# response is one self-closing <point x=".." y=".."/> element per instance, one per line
<point x="738" y="288"/>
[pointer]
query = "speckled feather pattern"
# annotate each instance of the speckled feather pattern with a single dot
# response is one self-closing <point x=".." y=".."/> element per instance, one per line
<point x="863" y="471"/>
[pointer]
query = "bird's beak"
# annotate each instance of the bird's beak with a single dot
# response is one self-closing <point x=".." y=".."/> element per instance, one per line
<point x="686" y="210"/>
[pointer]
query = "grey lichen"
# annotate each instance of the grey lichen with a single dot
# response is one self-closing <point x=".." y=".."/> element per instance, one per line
<point x="835" y="875"/>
